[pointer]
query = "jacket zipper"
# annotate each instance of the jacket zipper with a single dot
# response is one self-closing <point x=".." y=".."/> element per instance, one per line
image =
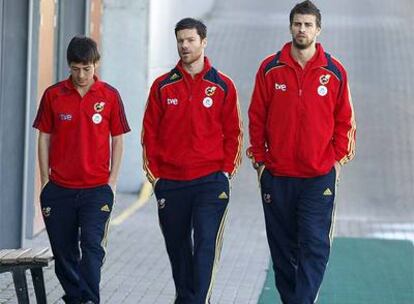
<point x="299" y="119"/>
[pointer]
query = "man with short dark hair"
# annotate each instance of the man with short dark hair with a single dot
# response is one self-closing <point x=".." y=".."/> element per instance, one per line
<point x="192" y="139"/>
<point x="81" y="122"/>
<point x="302" y="130"/>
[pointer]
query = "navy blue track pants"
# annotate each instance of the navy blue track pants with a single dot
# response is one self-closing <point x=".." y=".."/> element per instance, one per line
<point x="192" y="216"/>
<point x="299" y="222"/>
<point x="77" y="222"/>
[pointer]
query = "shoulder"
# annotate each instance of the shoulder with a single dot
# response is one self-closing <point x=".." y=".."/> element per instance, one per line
<point x="270" y="62"/>
<point x="226" y="78"/>
<point x="55" y="89"/>
<point x="335" y="66"/>
<point x="109" y="88"/>
<point x="168" y="78"/>
<point x="336" y="61"/>
<point x="110" y="92"/>
<point x="220" y="79"/>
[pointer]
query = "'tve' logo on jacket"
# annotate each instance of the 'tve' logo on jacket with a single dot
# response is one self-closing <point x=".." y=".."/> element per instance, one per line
<point x="65" y="116"/>
<point x="172" y="101"/>
<point x="281" y="87"/>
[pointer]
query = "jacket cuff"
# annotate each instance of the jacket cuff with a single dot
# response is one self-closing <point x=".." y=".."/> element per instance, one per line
<point x="255" y="157"/>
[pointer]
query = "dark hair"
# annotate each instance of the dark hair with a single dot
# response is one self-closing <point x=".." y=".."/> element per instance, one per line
<point x="82" y="49"/>
<point x="191" y="23"/>
<point x="306" y="8"/>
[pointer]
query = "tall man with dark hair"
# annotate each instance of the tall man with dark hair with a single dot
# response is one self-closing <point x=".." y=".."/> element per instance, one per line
<point x="192" y="139"/>
<point x="302" y="130"/>
<point x="81" y="122"/>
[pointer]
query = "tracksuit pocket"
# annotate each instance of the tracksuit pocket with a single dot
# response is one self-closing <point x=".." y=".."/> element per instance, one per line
<point x="45" y="190"/>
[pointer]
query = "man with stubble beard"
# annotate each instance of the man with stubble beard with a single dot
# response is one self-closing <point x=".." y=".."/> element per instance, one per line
<point x="192" y="139"/>
<point x="302" y="131"/>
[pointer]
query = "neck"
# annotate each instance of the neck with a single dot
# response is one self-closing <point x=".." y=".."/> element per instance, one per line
<point x="84" y="89"/>
<point x="195" y="67"/>
<point x="303" y="56"/>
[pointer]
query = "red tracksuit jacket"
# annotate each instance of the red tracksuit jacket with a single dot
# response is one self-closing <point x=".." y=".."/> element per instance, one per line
<point x="192" y="127"/>
<point x="301" y="120"/>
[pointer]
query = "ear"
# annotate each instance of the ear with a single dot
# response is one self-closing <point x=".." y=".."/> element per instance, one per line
<point x="204" y="42"/>
<point x="96" y="64"/>
<point x="318" y="31"/>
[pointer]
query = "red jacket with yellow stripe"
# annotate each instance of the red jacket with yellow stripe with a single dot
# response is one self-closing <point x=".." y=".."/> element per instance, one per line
<point x="192" y="127"/>
<point x="301" y="120"/>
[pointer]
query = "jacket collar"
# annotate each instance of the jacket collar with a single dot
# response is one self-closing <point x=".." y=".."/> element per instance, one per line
<point x="206" y="68"/>
<point x="318" y="59"/>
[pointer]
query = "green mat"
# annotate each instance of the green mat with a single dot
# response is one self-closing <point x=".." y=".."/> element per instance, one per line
<point x="362" y="271"/>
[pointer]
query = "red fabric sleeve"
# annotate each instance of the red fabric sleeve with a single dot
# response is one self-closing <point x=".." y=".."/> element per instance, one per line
<point x="345" y="126"/>
<point x="44" y="118"/>
<point x="257" y="119"/>
<point x="232" y="130"/>
<point x="151" y="123"/>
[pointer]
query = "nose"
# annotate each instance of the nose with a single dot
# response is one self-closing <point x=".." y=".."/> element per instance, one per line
<point x="184" y="45"/>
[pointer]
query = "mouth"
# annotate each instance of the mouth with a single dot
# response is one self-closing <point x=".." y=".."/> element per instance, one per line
<point x="81" y="82"/>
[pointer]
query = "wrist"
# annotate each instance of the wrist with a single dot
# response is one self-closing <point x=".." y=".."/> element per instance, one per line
<point x="154" y="182"/>
<point x="44" y="180"/>
<point x="112" y="180"/>
<point x="44" y="183"/>
<point x="257" y="165"/>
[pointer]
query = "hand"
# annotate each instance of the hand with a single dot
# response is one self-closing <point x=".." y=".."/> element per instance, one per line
<point x="112" y="184"/>
<point x="44" y="183"/>
<point x="338" y="168"/>
<point x="260" y="170"/>
<point x="154" y="183"/>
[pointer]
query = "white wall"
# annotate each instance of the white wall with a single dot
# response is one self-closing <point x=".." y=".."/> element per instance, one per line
<point x="124" y="65"/>
<point x="164" y="14"/>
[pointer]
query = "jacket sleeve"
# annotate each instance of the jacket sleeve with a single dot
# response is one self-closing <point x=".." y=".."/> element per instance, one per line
<point x="151" y="124"/>
<point x="232" y="131"/>
<point x="257" y="119"/>
<point x="345" y="126"/>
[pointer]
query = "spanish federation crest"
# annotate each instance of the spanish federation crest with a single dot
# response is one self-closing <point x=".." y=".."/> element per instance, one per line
<point x="99" y="106"/>
<point x="324" y="79"/>
<point x="210" y="90"/>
